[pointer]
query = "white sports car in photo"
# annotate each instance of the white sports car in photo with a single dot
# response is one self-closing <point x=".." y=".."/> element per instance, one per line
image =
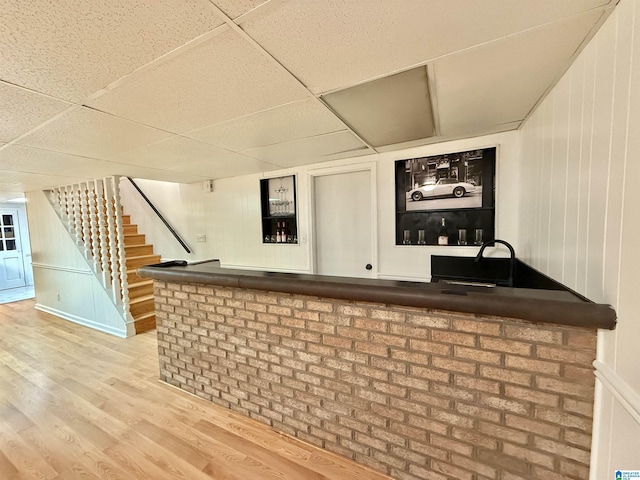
<point x="442" y="188"/>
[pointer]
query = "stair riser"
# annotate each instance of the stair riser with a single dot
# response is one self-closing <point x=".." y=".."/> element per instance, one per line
<point x="138" y="250"/>
<point x="132" y="277"/>
<point x="141" y="291"/>
<point x="136" y="239"/>
<point x="130" y="229"/>
<point x="145" y="325"/>
<point x="140" y="308"/>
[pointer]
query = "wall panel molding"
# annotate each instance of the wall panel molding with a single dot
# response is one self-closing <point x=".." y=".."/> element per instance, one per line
<point x="619" y="388"/>
<point x="59" y="268"/>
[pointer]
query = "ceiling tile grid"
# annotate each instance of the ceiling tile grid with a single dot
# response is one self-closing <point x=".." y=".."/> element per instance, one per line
<point x="218" y="80"/>
<point x="23" y="110"/>
<point x="87" y="132"/>
<point x="177" y="91"/>
<point x="73" y="49"/>
<point x="492" y="84"/>
<point x="305" y="118"/>
<point x="360" y="40"/>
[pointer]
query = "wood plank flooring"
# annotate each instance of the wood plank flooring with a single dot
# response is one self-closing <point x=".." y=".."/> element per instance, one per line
<point x="76" y="404"/>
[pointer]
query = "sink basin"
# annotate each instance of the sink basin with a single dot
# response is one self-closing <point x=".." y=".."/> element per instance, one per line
<point x="490" y="272"/>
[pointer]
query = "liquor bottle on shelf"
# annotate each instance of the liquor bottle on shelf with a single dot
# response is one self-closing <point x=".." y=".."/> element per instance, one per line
<point x="443" y="236"/>
<point x="278" y="234"/>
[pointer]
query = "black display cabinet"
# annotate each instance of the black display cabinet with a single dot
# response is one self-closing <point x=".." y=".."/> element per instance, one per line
<point x="457" y="187"/>
<point x="279" y="213"/>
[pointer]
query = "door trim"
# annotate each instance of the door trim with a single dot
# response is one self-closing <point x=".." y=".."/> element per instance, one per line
<point x="370" y="167"/>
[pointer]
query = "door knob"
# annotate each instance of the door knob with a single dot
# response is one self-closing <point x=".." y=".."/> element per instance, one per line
<point x="368" y="266"/>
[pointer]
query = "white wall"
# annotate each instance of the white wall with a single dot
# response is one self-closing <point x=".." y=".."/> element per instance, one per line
<point x="578" y="223"/>
<point x="230" y="216"/>
<point x="23" y="228"/>
<point x="64" y="284"/>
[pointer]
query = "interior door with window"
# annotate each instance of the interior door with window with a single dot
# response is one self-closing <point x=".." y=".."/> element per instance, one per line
<point x="11" y="263"/>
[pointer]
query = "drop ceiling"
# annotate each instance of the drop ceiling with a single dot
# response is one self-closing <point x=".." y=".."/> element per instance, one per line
<point x="188" y="91"/>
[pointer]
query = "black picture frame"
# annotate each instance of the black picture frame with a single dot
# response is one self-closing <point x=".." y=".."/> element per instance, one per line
<point x="472" y="211"/>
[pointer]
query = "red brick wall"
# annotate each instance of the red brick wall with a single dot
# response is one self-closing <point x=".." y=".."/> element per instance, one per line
<point x="416" y="394"/>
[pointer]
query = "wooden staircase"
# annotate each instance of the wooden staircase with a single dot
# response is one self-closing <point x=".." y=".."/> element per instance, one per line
<point x="138" y="253"/>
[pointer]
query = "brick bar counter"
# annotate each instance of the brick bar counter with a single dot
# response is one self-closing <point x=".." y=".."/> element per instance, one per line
<point x="404" y="384"/>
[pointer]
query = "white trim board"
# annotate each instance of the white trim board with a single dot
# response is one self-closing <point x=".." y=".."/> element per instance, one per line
<point x="46" y="266"/>
<point x="122" y="333"/>
<point x="619" y="388"/>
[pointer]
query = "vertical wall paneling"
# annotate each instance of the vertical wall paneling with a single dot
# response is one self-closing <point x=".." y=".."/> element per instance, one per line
<point x="594" y="126"/>
<point x="628" y="302"/>
<point x="558" y="194"/>
<point x="588" y="100"/>
<point x="574" y="174"/>
<point x="601" y="156"/>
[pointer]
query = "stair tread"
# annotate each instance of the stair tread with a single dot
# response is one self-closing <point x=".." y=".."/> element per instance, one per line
<point x="140" y="283"/>
<point x="144" y="298"/>
<point x="146" y="315"/>
<point x="142" y="256"/>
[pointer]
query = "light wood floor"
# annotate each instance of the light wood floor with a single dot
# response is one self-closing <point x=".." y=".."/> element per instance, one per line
<point x="78" y="404"/>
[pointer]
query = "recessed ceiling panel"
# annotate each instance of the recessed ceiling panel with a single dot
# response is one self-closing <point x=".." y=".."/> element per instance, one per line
<point x="172" y="153"/>
<point x="231" y="165"/>
<point x="297" y="120"/>
<point x="23" y="110"/>
<point x="86" y="132"/>
<point x="73" y="49"/>
<point x="308" y="150"/>
<point x="334" y="44"/>
<point x="220" y="79"/>
<point x="390" y="110"/>
<point x="500" y="82"/>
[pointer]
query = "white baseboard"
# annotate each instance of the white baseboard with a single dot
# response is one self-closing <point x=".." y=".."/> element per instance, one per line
<point x="620" y="389"/>
<point x="122" y="333"/>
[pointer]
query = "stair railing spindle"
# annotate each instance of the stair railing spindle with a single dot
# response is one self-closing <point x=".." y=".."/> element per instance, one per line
<point x="93" y="220"/>
<point x="103" y="232"/>
<point x="113" y="246"/>
<point x="121" y="252"/>
<point x="85" y="220"/>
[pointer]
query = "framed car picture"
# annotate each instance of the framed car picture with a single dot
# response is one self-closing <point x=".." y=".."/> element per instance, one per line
<point x="453" y="192"/>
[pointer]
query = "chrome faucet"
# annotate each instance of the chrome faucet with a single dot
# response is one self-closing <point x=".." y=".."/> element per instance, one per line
<point x="512" y="261"/>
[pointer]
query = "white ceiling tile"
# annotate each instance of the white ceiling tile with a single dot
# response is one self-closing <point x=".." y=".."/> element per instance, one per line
<point x="333" y="44"/>
<point x="40" y="180"/>
<point x="173" y="152"/>
<point x="229" y="166"/>
<point x="297" y="120"/>
<point x="235" y="8"/>
<point x="23" y="110"/>
<point x="73" y="49"/>
<point x="86" y="132"/>
<point x="308" y="150"/>
<point x="220" y="79"/>
<point x="33" y="160"/>
<point x="493" y="84"/>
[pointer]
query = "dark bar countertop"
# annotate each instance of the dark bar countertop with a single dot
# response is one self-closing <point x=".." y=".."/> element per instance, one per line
<point x="534" y="305"/>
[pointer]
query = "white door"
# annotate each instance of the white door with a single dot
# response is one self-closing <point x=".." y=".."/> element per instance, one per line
<point x="11" y="264"/>
<point x="343" y="227"/>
